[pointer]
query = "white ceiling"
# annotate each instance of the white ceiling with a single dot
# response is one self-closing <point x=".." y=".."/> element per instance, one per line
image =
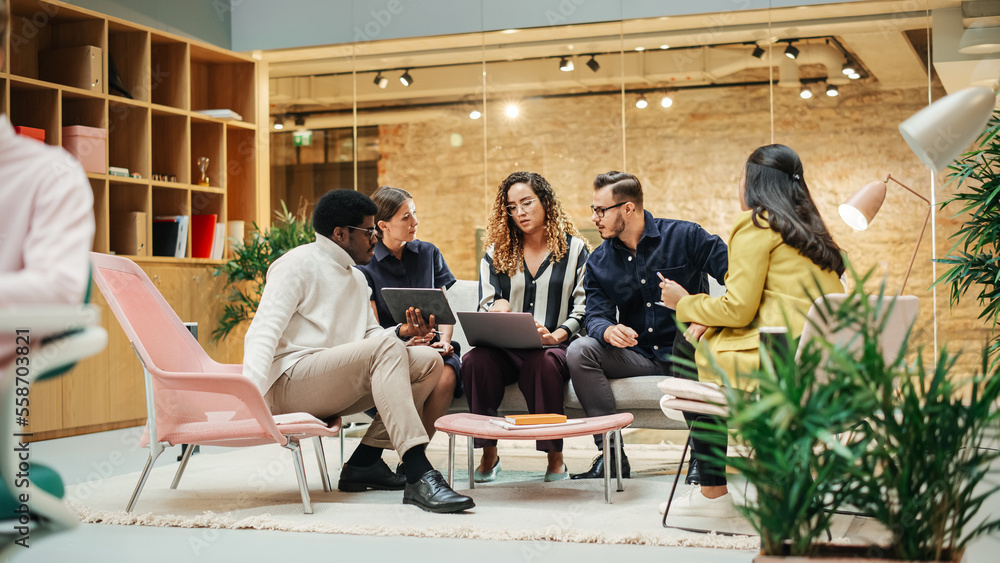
<point x="452" y="67"/>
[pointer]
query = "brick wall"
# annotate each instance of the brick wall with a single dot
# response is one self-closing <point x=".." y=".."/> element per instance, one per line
<point x="689" y="159"/>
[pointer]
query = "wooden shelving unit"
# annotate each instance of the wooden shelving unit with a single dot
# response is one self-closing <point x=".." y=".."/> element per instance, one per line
<point x="158" y="130"/>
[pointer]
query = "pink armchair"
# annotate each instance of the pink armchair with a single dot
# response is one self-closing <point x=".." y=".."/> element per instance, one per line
<point x="190" y="398"/>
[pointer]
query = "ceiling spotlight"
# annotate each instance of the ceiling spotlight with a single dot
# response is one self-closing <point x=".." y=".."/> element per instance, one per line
<point x="593" y="65"/>
<point x="512" y="111"/>
<point x="758" y="52"/>
<point x="854" y="76"/>
<point x="641" y="103"/>
<point x="667" y="101"/>
<point x="805" y="93"/>
<point x="406" y="79"/>
<point x="664" y="46"/>
<point x="832" y="90"/>
<point x="278" y="123"/>
<point x="565" y="64"/>
<point x="381" y="81"/>
<point x="300" y="121"/>
<point x="640" y="48"/>
<point x="848" y="69"/>
<point x="791" y="51"/>
<point x="475" y="114"/>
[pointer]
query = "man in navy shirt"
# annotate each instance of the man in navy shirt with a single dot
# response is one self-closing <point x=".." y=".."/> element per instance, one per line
<point x="628" y="333"/>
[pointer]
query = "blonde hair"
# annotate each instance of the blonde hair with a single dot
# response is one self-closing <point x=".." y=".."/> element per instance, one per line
<point x="507" y="240"/>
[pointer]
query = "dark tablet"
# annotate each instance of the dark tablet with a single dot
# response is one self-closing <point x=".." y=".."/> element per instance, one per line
<point x="429" y="301"/>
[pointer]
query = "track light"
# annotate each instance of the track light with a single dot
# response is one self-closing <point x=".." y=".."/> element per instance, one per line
<point x="792" y="52"/>
<point x="381" y="81"/>
<point x="667" y="101"/>
<point x="854" y="76"/>
<point x="805" y="93"/>
<point x="848" y="69"/>
<point x="641" y="103"/>
<point x="278" y="123"/>
<point x="565" y="64"/>
<point x="832" y="90"/>
<point x="475" y="114"/>
<point x="406" y="79"/>
<point x="758" y="52"/>
<point x="593" y="65"/>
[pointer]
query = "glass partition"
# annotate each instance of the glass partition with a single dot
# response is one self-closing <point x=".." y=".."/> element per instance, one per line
<point x="572" y="101"/>
<point x="554" y="105"/>
<point x="424" y="133"/>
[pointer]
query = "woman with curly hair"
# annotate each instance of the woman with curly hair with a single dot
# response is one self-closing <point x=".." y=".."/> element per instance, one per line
<point x="534" y="263"/>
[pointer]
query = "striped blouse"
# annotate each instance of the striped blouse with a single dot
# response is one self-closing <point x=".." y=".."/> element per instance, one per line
<point x="555" y="298"/>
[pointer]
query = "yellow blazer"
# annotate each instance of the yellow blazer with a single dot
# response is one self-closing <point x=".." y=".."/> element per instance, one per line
<point x="767" y="281"/>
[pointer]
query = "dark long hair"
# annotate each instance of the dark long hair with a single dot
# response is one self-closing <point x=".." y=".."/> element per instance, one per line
<point x="775" y="184"/>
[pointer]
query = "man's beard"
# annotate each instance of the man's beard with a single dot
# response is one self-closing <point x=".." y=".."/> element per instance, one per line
<point x="615" y="230"/>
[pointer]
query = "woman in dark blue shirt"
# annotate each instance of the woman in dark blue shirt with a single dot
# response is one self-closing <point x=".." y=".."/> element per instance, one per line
<point x="401" y="260"/>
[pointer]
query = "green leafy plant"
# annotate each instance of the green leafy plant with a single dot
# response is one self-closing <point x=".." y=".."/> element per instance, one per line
<point x="975" y="258"/>
<point x="246" y="271"/>
<point x="788" y="423"/>
<point x="913" y="457"/>
<point x="924" y="478"/>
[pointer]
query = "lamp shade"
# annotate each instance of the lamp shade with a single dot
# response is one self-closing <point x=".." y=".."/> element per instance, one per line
<point x="938" y="133"/>
<point x="980" y="41"/>
<point x="859" y="211"/>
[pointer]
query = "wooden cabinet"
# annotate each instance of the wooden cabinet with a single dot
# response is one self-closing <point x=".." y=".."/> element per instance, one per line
<point x="56" y="74"/>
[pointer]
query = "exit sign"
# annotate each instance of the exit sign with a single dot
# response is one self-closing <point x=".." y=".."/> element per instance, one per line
<point x="303" y="138"/>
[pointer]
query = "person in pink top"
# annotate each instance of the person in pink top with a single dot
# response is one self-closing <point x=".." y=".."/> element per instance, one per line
<point x="46" y="224"/>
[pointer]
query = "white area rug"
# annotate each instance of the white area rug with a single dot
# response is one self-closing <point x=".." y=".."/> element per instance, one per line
<point x="255" y="488"/>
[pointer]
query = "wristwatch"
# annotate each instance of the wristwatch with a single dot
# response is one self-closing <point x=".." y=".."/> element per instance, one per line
<point x="398" y="335"/>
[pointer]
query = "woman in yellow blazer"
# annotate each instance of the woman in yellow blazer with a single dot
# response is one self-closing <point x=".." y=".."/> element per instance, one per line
<point x="781" y="257"/>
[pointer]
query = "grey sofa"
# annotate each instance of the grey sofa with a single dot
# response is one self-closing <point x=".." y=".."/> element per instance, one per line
<point x="637" y="395"/>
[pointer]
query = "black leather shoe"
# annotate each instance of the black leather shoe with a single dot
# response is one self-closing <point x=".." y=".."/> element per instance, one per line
<point x="597" y="469"/>
<point x="694" y="472"/>
<point x="378" y="476"/>
<point x="433" y="494"/>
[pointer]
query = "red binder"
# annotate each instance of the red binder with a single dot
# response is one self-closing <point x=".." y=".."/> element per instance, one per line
<point x="202" y="235"/>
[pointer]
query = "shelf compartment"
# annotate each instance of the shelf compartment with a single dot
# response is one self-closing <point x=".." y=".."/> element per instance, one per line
<point x="91" y="112"/>
<point x="168" y="73"/>
<point x="100" y="189"/>
<point x="128" y="138"/>
<point x="173" y="201"/>
<point x="207" y="141"/>
<point x="38" y="107"/>
<point x="125" y="202"/>
<point x="220" y="81"/>
<point x="129" y="49"/>
<point x="171" y="148"/>
<point x="241" y="174"/>
<point x="36" y="27"/>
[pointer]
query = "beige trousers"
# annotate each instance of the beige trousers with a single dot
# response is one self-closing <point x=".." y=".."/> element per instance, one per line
<point x="382" y="372"/>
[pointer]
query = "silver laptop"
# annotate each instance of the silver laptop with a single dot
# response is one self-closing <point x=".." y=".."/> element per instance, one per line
<point x="500" y="330"/>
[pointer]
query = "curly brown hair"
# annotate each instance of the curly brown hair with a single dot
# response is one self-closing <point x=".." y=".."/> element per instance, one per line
<point x="507" y="239"/>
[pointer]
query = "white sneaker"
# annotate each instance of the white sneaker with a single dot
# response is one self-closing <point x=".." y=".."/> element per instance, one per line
<point x="693" y="503"/>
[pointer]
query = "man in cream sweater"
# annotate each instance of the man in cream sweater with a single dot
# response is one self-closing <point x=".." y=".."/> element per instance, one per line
<point x="315" y="346"/>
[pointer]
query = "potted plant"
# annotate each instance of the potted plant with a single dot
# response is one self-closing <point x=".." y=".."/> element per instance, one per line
<point x="975" y="257"/>
<point x="912" y="458"/>
<point x="247" y="270"/>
